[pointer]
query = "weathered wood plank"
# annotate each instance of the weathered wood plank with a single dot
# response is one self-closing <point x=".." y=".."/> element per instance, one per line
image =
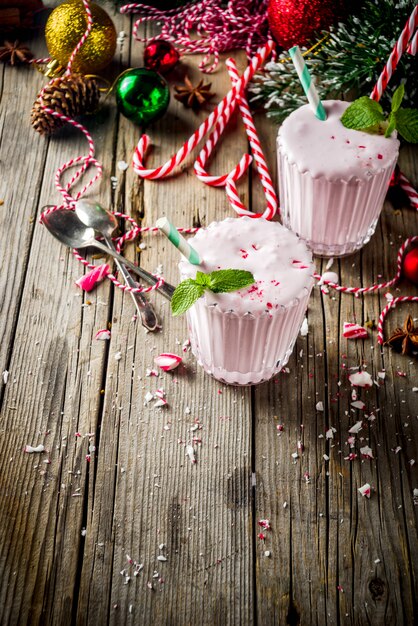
<point x="324" y="560"/>
<point x="147" y="491"/>
<point x="56" y="372"/>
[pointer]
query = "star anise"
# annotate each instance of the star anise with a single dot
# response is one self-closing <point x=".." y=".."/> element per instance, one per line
<point x="15" y="53"/>
<point x="405" y="339"/>
<point x="193" y="96"/>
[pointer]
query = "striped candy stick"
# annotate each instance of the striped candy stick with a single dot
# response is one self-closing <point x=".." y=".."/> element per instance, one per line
<point x="178" y="241"/>
<point x="256" y="148"/>
<point x="409" y="190"/>
<point x="188" y="146"/>
<point x="205" y="153"/>
<point x="412" y="46"/>
<point x="307" y="83"/>
<point x="396" y="54"/>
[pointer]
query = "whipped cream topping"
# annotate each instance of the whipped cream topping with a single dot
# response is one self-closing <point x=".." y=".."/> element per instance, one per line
<point x="327" y="148"/>
<point x="279" y="261"/>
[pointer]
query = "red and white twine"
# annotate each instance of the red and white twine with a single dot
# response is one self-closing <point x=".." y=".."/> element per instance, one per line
<point x="208" y="28"/>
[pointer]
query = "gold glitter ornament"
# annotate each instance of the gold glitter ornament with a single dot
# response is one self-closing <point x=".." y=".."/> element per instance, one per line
<point x="64" y="29"/>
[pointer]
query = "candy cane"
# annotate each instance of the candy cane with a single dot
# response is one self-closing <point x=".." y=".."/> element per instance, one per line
<point x="257" y="150"/>
<point x="205" y="153"/>
<point x="412" y="47"/>
<point x="235" y="202"/>
<point x="409" y="190"/>
<point x="399" y="48"/>
<point x="188" y="146"/>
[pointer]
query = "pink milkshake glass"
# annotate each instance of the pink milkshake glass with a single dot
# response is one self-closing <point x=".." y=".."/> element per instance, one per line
<point x="245" y="337"/>
<point x="332" y="180"/>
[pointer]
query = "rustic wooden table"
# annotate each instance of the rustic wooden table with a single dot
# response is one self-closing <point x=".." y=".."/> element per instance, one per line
<point x="68" y="526"/>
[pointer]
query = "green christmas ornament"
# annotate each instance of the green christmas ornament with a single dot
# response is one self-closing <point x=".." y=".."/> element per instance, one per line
<point x="142" y="95"/>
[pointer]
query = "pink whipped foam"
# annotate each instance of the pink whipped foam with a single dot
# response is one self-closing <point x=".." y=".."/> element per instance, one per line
<point x="329" y="149"/>
<point x="278" y="259"/>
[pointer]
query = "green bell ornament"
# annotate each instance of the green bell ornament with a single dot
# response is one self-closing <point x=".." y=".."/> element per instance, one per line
<point x="142" y="95"/>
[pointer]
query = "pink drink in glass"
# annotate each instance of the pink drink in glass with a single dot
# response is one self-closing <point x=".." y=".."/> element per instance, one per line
<point x="245" y="337"/>
<point x="332" y="180"/>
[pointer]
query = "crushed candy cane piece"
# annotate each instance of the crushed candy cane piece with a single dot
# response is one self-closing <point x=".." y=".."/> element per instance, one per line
<point x="381" y="375"/>
<point x="365" y="490"/>
<point x="261" y="536"/>
<point x="351" y="441"/>
<point x="160" y="393"/>
<point x="103" y="335"/>
<point x="354" y="331"/>
<point x="329" y="277"/>
<point x="186" y="345"/>
<point x="330" y="433"/>
<point x="5" y="376"/>
<point x="267" y="553"/>
<point x="356" y="428"/>
<point x="148" y="397"/>
<point x="264" y="523"/>
<point x="31" y="449"/>
<point x="319" y="406"/>
<point x="397" y="449"/>
<point x="167" y="361"/>
<point x="151" y="372"/>
<point x="190" y="453"/>
<point x="122" y="166"/>
<point x="414" y="389"/>
<point x="118" y="356"/>
<point x="361" y="379"/>
<point x="280" y="428"/>
<point x="377" y="561"/>
<point x="160" y="557"/>
<point x="304" y="329"/>
<point x="326" y="457"/>
<point x="161" y="402"/>
<point x="93" y="277"/>
<point x="350" y="457"/>
<point x="388" y="296"/>
<point x="358" y="404"/>
<point x="295" y="455"/>
<point x="366" y="452"/>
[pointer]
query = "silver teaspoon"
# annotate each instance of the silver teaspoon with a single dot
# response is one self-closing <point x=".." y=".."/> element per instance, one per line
<point x="65" y="226"/>
<point x="104" y="222"/>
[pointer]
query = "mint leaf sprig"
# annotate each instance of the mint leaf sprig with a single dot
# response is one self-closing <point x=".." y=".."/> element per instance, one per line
<point x="366" y="114"/>
<point x="220" y="281"/>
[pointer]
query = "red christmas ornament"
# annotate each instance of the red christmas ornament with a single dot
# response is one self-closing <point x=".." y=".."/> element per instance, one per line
<point x="410" y="266"/>
<point x="294" y="22"/>
<point x="160" y="56"/>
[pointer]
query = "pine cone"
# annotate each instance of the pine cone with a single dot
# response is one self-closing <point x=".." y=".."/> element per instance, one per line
<point x="71" y="95"/>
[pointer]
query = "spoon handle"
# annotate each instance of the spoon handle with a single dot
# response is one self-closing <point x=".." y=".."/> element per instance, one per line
<point x="145" y="309"/>
<point x="166" y="289"/>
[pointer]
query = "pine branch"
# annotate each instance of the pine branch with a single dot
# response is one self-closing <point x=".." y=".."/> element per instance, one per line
<point x="350" y="58"/>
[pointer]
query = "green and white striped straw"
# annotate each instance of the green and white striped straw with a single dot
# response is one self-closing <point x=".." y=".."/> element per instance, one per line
<point x="178" y="240"/>
<point x="307" y="83"/>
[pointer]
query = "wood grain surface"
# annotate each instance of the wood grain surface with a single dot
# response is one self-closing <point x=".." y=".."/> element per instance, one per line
<point x="80" y="541"/>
